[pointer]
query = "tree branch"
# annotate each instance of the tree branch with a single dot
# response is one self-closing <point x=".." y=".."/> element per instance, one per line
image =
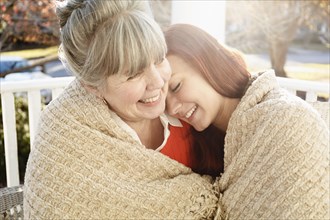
<point x="35" y="63"/>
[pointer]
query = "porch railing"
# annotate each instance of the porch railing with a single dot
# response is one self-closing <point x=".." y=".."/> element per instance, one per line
<point x="312" y="89"/>
<point x="33" y="90"/>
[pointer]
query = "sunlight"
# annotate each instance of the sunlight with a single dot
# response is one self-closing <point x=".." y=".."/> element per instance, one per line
<point x="208" y="15"/>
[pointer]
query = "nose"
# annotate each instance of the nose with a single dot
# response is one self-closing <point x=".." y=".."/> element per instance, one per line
<point x="172" y="104"/>
<point x="155" y="78"/>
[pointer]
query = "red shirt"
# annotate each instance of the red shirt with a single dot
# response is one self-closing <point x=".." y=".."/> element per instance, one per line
<point x="179" y="143"/>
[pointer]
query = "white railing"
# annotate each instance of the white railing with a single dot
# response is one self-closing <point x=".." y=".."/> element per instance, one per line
<point x="312" y="89"/>
<point x="33" y="89"/>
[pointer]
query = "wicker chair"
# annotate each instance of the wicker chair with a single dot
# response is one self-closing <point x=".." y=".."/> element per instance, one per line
<point x="11" y="202"/>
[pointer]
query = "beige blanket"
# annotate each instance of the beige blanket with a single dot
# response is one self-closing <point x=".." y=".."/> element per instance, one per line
<point x="85" y="166"/>
<point x="276" y="157"/>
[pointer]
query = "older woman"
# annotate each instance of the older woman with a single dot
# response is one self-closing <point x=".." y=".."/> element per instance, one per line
<point x="97" y="151"/>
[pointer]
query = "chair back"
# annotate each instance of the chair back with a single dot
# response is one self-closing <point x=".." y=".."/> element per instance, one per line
<point x="11" y="202"/>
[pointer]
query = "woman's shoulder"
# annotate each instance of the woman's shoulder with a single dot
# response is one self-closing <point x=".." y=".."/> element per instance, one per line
<point x="323" y="108"/>
<point x="281" y="107"/>
<point x="77" y="107"/>
<point x="293" y="113"/>
<point x="278" y="98"/>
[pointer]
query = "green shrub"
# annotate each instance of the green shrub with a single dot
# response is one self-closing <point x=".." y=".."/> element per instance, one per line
<point x="23" y="139"/>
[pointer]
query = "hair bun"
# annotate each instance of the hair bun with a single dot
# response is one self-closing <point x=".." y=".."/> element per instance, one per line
<point x="65" y="9"/>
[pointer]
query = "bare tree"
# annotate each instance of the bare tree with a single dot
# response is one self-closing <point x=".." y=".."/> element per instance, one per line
<point x="278" y="21"/>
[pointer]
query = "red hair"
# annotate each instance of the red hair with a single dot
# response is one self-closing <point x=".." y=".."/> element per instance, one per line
<point x="225" y="69"/>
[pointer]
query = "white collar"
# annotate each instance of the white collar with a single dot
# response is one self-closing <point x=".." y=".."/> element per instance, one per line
<point x="164" y="118"/>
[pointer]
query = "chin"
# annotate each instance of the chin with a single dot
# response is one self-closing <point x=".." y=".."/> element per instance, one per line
<point x="200" y="127"/>
<point x="156" y="113"/>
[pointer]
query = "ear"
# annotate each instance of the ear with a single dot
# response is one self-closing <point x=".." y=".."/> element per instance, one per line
<point x="92" y="90"/>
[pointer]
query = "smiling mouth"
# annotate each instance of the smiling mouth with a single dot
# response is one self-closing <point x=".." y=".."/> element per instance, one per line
<point x="150" y="100"/>
<point x="191" y="111"/>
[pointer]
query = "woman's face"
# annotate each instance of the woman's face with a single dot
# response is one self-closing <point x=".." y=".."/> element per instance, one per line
<point x="141" y="97"/>
<point x="190" y="97"/>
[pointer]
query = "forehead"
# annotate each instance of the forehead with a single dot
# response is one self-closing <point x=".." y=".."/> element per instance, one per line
<point x="179" y="66"/>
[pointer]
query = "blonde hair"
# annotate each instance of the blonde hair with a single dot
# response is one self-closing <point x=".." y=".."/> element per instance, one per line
<point x="100" y="38"/>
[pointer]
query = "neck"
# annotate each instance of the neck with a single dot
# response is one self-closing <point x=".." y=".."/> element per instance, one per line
<point x="226" y="110"/>
<point x="150" y="132"/>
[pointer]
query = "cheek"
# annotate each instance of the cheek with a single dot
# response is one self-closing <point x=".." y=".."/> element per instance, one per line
<point x="178" y="97"/>
<point x="132" y="93"/>
<point x="186" y="97"/>
<point x="133" y="97"/>
<point x="127" y="94"/>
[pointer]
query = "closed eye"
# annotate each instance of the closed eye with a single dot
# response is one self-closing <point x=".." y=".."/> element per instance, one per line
<point x="131" y="77"/>
<point x="135" y="76"/>
<point x="160" y="61"/>
<point x="176" y="88"/>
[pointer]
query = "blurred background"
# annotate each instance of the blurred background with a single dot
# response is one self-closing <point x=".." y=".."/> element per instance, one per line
<point x="290" y="36"/>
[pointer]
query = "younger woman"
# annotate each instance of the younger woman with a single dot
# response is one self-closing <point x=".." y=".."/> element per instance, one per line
<point x="276" y="146"/>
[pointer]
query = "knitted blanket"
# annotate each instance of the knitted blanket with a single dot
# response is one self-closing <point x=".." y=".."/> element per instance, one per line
<point x="276" y="157"/>
<point x="84" y="165"/>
